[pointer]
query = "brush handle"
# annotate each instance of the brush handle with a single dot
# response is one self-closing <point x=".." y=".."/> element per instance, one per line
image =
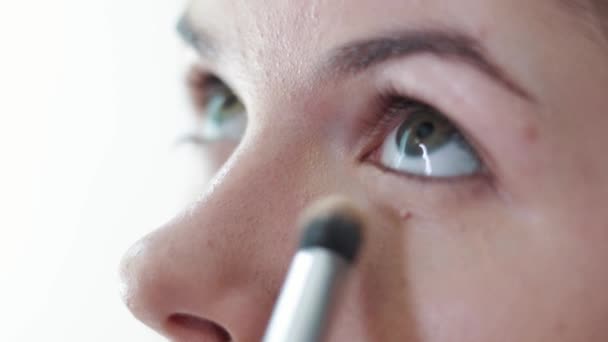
<point x="304" y="304"/>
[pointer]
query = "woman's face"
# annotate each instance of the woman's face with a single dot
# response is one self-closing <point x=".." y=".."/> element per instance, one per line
<point x="473" y="133"/>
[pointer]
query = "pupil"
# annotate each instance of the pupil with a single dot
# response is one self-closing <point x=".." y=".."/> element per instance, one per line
<point x="230" y="101"/>
<point x="425" y="130"/>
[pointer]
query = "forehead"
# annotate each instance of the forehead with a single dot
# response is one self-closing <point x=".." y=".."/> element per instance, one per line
<point x="321" y="20"/>
<point x="293" y="23"/>
<point x="273" y="41"/>
<point x="279" y="32"/>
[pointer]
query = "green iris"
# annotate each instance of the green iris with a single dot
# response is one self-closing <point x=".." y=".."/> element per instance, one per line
<point x="424" y="131"/>
<point x="224" y="106"/>
<point x="225" y="115"/>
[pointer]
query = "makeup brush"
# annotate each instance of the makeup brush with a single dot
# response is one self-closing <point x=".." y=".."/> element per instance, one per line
<point x="331" y="239"/>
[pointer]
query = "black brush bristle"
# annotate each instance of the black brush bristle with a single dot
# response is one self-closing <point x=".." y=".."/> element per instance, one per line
<point x="336" y="232"/>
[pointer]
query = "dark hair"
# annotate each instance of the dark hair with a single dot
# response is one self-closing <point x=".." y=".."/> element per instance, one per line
<point x="601" y="8"/>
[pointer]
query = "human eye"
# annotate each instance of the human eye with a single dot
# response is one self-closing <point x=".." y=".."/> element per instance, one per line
<point x="425" y="143"/>
<point x="221" y="114"/>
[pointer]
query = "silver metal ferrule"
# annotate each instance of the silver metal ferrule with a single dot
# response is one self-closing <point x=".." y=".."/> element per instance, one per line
<point x="302" y="309"/>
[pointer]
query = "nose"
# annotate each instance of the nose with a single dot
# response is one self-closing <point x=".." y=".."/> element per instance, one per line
<point x="213" y="272"/>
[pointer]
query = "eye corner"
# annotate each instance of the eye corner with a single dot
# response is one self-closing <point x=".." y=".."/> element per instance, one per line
<point x="219" y="113"/>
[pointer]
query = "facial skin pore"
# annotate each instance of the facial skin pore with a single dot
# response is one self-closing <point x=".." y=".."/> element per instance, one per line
<point x="512" y="252"/>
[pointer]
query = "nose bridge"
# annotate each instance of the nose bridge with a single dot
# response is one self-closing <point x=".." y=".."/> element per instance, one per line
<point x="224" y="258"/>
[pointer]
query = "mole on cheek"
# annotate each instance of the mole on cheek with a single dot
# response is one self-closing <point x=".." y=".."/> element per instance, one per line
<point x="405" y="215"/>
<point x="530" y="134"/>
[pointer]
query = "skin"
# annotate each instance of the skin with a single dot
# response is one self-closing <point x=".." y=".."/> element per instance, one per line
<point x="515" y="253"/>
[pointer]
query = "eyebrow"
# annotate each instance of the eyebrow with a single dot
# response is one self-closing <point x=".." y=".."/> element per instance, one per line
<point x="590" y="12"/>
<point x="198" y="40"/>
<point x="359" y="56"/>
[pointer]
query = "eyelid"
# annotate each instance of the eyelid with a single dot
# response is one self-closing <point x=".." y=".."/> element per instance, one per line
<point x="392" y="108"/>
<point x="389" y="110"/>
<point x="202" y="85"/>
<point x="196" y="80"/>
<point x="459" y="121"/>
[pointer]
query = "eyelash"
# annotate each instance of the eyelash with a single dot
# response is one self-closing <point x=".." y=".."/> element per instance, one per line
<point x="390" y="108"/>
<point x="200" y="85"/>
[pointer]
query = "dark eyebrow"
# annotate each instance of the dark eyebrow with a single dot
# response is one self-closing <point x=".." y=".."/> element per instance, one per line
<point x="359" y="56"/>
<point x="590" y="13"/>
<point x="200" y="41"/>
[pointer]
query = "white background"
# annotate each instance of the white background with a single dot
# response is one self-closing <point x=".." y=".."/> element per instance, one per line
<point x="90" y="93"/>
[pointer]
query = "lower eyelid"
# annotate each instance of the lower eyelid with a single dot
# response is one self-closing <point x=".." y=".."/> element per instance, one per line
<point x="411" y="191"/>
<point x="191" y="138"/>
<point x="482" y="175"/>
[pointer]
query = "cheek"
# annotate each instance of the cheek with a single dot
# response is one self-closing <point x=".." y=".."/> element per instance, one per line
<point x="485" y="275"/>
<point x="434" y="200"/>
<point x="384" y="286"/>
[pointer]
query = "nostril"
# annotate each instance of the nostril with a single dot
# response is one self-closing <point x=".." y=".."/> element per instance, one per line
<point x="193" y="325"/>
